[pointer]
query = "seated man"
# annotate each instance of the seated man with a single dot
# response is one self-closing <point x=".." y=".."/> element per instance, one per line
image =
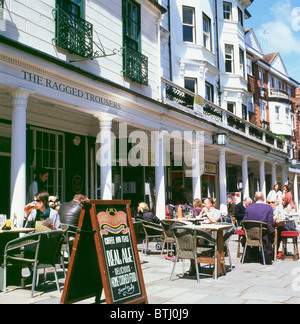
<point x="213" y="215"/>
<point x="230" y="208"/>
<point x="69" y="212"/>
<point x="240" y="209"/>
<point x="262" y="212"/>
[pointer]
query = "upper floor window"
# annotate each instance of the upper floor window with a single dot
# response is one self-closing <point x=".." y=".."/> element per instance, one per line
<point x="227" y="10"/>
<point x="229" y="59"/>
<point x="242" y="63"/>
<point x="207" y="41"/>
<point x="191" y="84"/>
<point x="240" y="17"/>
<point x="263" y="112"/>
<point x="209" y="92"/>
<point x="72" y="32"/>
<point x="131" y="25"/>
<point x="135" y="64"/>
<point x="74" y="6"/>
<point x="249" y="66"/>
<point x="231" y="107"/>
<point x="188" y="20"/>
<point x="261" y="78"/>
<point x="277" y="113"/>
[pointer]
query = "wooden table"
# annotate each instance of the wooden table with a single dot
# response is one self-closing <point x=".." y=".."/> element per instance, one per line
<point x="185" y="221"/>
<point x="219" y="228"/>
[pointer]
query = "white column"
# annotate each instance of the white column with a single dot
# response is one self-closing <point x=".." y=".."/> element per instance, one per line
<point x="274" y="180"/>
<point x="160" y="187"/>
<point x="245" y="177"/>
<point x="284" y="178"/>
<point x="196" y="172"/>
<point x="262" y="177"/>
<point x="296" y="197"/>
<point x="105" y="156"/>
<point x="222" y="177"/>
<point x="18" y="155"/>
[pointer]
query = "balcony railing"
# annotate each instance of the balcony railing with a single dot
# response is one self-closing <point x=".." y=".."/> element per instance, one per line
<point x="73" y="33"/>
<point x="182" y="98"/>
<point x="277" y="93"/>
<point x="135" y="66"/>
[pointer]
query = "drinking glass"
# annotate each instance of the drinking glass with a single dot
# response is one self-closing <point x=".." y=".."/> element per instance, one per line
<point x="2" y="220"/>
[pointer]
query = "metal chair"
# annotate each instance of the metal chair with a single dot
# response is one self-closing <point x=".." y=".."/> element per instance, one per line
<point x="186" y="239"/>
<point x="151" y="230"/>
<point x="254" y="236"/>
<point x="42" y="250"/>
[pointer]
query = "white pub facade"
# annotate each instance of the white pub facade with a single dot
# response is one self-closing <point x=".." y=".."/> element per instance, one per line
<point x="91" y="90"/>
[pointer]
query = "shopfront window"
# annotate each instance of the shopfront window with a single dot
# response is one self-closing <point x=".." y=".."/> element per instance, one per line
<point x="48" y="152"/>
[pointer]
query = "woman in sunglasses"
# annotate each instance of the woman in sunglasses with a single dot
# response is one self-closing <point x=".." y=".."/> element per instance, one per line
<point x="40" y="211"/>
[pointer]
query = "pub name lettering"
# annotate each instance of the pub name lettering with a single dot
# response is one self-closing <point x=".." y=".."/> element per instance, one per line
<point x="37" y="79"/>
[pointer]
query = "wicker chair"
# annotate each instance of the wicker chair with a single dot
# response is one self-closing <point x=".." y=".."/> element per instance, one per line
<point x="186" y="239"/>
<point x="254" y="236"/>
<point x="151" y="230"/>
<point x="167" y="236"/>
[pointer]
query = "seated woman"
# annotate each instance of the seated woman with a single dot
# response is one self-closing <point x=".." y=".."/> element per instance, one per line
<point x="41" y="212"/>
<point x="197" y="207"/>
<point x="147" y="215"/>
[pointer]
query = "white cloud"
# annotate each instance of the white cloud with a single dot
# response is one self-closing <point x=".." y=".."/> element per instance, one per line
<point x="281" y="33"/>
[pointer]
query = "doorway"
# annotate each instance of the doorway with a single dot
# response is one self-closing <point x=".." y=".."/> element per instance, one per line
<point x="5" y="185"/>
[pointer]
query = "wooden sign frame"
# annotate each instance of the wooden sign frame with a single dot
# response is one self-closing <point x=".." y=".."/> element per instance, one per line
<point x="105" y="244"/>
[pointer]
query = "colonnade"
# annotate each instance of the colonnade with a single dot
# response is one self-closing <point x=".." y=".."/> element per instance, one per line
<point x="18" y="163"/>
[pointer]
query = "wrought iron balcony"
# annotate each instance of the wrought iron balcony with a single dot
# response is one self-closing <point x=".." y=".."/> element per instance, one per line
<point x="73" y="33"/>
<point x="135" y="65"/>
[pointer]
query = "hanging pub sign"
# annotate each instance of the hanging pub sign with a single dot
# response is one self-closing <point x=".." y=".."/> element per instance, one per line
<point x="105" y="256"/>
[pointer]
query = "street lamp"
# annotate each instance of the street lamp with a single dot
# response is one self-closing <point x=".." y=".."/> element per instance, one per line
<point x="219" y="139"/>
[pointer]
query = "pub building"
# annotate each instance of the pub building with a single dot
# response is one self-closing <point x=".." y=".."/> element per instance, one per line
<point x="59" y="103"/>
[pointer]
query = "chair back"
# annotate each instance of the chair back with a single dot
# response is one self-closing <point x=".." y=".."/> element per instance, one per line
<point x="167" y="229"/>
<point x="186" y="242"/>
<point x="151" y="229"/>
<point x="49" y="247"/>
<point x="254" y="232"/>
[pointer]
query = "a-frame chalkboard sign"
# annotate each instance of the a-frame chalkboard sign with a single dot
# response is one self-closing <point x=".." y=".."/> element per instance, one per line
<point x="105" y="256"/>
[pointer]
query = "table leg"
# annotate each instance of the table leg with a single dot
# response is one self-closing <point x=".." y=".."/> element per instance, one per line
<point x="220" y="255"/>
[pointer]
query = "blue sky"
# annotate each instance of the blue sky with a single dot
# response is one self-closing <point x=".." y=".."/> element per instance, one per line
<point x="276" y="24"/>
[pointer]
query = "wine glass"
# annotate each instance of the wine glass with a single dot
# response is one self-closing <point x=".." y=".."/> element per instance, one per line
<point x="2" y="220"/>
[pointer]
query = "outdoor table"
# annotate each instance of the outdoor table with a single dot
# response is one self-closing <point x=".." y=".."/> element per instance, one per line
<point x="185" y="220"/>
<point x="14" y="273"/>
<point x="218" y="228"/>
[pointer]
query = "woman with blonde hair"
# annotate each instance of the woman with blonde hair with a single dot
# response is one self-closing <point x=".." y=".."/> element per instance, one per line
<point x="147" y="215"/>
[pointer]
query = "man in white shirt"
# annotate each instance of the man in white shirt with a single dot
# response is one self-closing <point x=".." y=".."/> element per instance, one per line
<point x="210" y="212"/>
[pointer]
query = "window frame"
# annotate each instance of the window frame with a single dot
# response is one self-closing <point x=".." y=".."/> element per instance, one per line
<point x="226" y="12"/>
<point x="188" y="25"/>
<point x="229" y="59"/>
<point x="242" y="62"/>
<point x="233" y="107"/>
<point x="195" y="84"/>
<point x="207" y="35"/>
<point x="263" y="110"/>
<point x="209" y="92"/>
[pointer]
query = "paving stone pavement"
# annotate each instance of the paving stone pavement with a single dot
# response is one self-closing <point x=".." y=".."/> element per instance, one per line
<point x="249" y="283"/>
